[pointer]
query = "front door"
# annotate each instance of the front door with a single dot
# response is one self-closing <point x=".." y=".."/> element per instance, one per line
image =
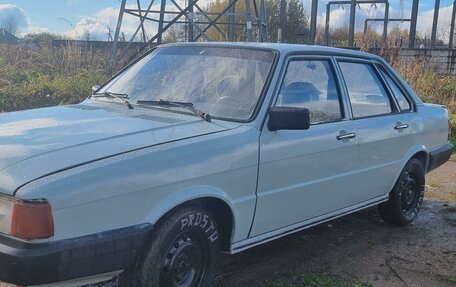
<point x="307" y="173"/>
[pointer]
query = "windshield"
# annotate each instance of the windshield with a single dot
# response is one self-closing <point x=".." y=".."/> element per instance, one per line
<point x="224" y="82"/>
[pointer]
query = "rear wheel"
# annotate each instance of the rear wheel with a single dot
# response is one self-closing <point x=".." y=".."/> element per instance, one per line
<point x="184" y="252"/>
<point x="406" y="197"/>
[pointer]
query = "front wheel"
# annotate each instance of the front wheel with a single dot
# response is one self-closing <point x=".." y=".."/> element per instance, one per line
<point x="184" y="252"/>
<point x="406" y="197"/>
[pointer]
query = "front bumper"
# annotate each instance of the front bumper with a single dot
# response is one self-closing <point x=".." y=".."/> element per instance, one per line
<point x="43" y="263"/>
<point x="440" y="156"/>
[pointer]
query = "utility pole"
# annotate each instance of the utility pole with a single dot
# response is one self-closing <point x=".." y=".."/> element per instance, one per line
<point x="451" y="43"/>
<point x="413" y="18"/>
<point x="385" y="24"/>
<point x="231" y="19"/>
<point x="313" y="22"/>
<point x="198" y="21"/>
<point x="351" y="29"/>
<point x="434" y="23"/>
<point x="283" y="21"/>
<point x="248" y="14"/>
<point x="191" y="33"/>
<point x="112" y="58"/>
<point x="161" y="22"/>
<point x="328" y="12"/>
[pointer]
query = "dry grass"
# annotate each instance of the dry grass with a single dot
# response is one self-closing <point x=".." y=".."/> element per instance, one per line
<point x="429" y="85"/>
<point x="38" y="77"/>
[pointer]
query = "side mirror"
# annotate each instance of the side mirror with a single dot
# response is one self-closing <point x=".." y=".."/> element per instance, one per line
<point x="288" y="118"/>
<point x="95" y="89"/>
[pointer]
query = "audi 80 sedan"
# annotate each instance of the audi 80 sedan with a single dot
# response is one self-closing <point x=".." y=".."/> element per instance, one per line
<point x="198" y="148"/>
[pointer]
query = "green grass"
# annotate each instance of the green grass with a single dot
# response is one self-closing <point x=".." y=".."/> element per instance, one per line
<point x="451" y="279"/>
<point x="314" y="280"/>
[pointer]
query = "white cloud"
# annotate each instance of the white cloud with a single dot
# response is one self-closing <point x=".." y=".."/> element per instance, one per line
<point x="10" y="10"/>
<point x="340" y="16"/>
<point x="424" y="23"/>
<point x="98" y="24"/>
<point x="24" y="24"/>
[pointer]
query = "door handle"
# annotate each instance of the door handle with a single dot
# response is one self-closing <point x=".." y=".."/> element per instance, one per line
<point x="346" y="136"/>
<point x="400" y="126"/>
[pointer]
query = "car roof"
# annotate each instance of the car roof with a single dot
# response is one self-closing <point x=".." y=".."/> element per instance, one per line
<point x="285" y="48"/>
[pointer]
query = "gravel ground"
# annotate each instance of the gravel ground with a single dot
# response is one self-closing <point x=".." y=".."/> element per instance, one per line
<point x="362" y="247"/>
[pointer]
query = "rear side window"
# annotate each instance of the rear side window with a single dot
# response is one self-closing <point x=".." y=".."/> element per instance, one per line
<point x="367" y="95"/>
<point x="311" y="84"/>
<point x="397" y="92"/>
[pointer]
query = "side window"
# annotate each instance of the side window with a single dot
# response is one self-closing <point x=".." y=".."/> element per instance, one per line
<point x="310" y="84"/>
<point x="367" y="95"/>
<point x="397" y="92"/>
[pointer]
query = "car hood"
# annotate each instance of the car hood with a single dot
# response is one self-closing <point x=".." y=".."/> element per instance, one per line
<point x="36" y="143"/>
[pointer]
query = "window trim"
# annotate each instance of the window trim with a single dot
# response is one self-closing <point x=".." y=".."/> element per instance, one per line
<point x="386" y="70"/>
<point x="395" y="109"/>
<point x="313" y="57"/>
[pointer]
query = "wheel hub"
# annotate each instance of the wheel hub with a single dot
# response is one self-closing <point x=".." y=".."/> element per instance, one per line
<point x="183" y="264"/>
<point x="409" y="193"/>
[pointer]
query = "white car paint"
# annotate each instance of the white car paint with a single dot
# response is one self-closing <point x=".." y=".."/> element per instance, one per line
<point x="104" y="167"/>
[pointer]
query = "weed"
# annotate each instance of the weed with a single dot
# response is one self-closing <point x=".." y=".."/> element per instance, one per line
<point x="451" y="279"/>
<point x="32" y="78"/>
<point x="314" y="280"/>
<point x="37" y="77"/>
<point x="434" y="183"/>
<point x="430" y="86"/>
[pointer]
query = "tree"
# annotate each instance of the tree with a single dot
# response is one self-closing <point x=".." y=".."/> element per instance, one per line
<point x="10" y="24"/>
<point x="42" y="40"/>
<point x="173" y="34"/>
<point x="297" y="26"/>
<point x="87" y="36"/>
<point x="339" y="37"/>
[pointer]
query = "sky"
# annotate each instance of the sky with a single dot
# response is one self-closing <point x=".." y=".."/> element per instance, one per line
<point x="76" y="18"/>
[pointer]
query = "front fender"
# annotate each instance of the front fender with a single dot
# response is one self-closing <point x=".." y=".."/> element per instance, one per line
<point x="188" y="194"/>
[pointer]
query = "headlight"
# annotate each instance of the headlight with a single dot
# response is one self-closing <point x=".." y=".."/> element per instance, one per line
<point x="27" y="220"/>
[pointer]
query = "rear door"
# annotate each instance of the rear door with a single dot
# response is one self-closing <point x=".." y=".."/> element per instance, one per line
<point x="383" y="130"/>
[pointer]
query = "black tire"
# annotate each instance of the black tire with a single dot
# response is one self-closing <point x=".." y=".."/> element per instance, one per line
<point x="183" y="252"/>
<point x="406" y="197"/>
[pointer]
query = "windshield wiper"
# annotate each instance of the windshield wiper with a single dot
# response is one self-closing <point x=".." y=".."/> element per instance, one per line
<point x="118" y="96"/>
<point x="186" y="105"/>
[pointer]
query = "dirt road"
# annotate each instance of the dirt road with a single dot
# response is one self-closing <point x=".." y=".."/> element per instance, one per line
<point x="362" y="247"/>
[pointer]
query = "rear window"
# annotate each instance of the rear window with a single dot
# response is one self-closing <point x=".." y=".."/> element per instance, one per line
<point x="367" y="95"/>
<point x="401" y="98"/>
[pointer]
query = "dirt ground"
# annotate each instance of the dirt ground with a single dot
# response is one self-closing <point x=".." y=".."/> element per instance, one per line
<point x="361" y="247"/>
